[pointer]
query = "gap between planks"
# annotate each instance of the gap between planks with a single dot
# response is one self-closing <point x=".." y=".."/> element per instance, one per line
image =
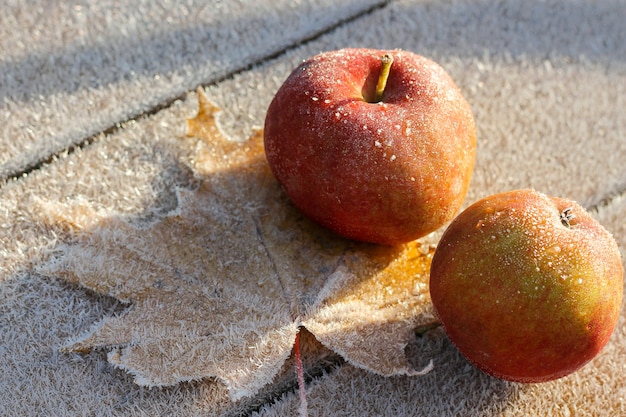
<point x="140" y="115"/>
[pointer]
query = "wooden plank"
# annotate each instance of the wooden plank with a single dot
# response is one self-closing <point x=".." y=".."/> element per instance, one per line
<point x="68" y="72"/>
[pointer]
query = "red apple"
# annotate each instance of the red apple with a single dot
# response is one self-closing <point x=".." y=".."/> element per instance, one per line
<point x="528" y="287"/>
<point x="378" y="146"/>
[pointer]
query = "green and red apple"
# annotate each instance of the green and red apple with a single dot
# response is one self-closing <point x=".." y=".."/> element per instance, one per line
<point x="378" y="146"/>
<point x="528" y="287"/>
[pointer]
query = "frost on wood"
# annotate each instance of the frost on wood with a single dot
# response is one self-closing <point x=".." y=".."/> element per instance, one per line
<point x="219" y="286"/>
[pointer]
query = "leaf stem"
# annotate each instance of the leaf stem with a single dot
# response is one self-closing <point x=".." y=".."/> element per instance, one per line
<point x="386" y="61"/>
<point x="300" y="375"/>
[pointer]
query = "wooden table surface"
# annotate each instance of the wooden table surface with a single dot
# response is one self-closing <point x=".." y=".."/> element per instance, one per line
<point x="94" y="98"/>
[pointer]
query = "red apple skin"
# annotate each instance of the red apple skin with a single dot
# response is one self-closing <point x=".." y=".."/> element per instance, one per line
<point x="522" y="295"/>
<point x="386" y="172"/>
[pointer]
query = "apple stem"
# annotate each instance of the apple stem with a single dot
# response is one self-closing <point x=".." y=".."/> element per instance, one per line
<point x="386" y="61"/>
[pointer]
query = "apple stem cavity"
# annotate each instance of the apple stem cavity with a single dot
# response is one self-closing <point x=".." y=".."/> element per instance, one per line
<point x="386" y="61"/>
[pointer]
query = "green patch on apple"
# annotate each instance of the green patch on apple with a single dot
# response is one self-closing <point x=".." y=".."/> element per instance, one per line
<point x="523" y="294"/>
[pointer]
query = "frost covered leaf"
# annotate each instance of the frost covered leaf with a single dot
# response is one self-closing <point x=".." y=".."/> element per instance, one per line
<point x="219" y="287"/>
<point x="371" y="314"/>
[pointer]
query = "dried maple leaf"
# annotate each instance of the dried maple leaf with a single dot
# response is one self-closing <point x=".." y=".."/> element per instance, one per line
<point x="219" y="287"/>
